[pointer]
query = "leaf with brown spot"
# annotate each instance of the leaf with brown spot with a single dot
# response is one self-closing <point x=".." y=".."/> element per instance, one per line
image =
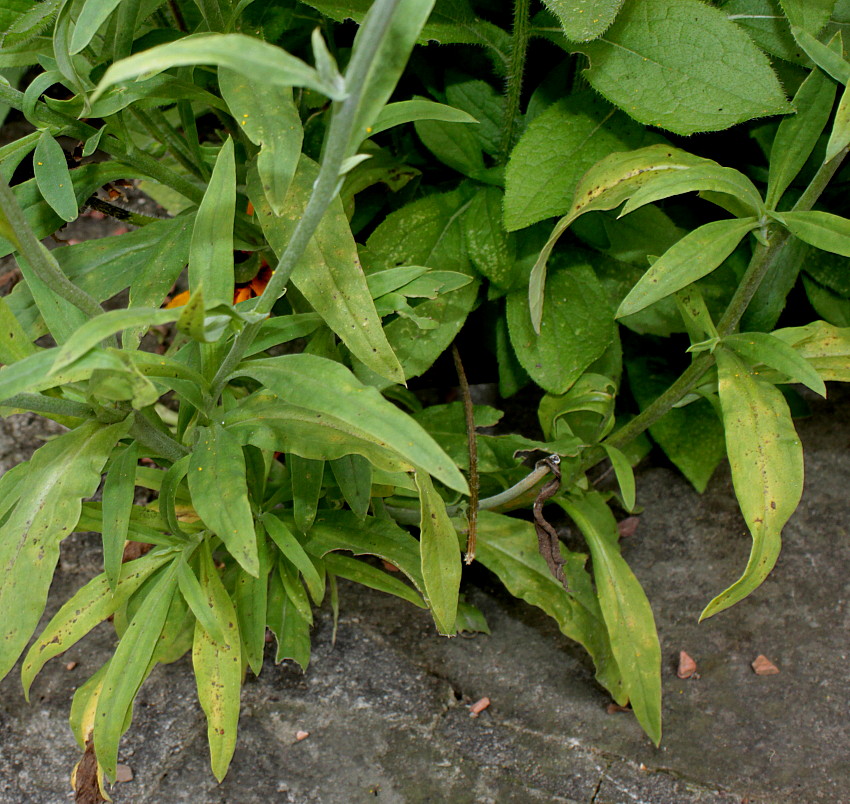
<point x="218" y="669"/>
<point x="766" y="459"/>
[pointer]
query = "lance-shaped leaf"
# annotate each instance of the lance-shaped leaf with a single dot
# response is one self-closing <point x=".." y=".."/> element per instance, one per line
<point x="627" y="613"/>
<point x="508" y="547"/>
<point x="211" y="252"/>
<point x="67" y="470"/>
<point x="291" y="548"/>
<point x="825" y="347"/>
<point x="250" y="597"/>
<point x="712" y="74"/>
<point x="98" y="329"/>
<point x="583" y="20"/>
<point x="245" y="54"/>
<point x="329" y="274"/>
<point x="695" y="255"/>
<point x="397" y="114"/>
<point x="129" y="667"/>
<point x="220" y="493"/>
<point x="606" y="185"/>
<point x="53" y="177"/>
<point x="625" y="475"/>
<point x="704" y="178"/>
<point x="342" y="530"/>
<point x="325" y="387"/>
<point x="396" y="27"/>
<point x="353" y="474"/>
<point x="269" y="117"/>
<point x="307" y="477"/>
<point x="91" y="605"/>
<point x="820" y="229"/>
<point x="830" y="60"/>
<point x="762" y="347"/>
<point x="441" y="561"/>
<point x="218" y="668"/>
<point x="798" y="133"/>
<point x="118" y="491"/>
<point x="92" y="15"/>
<point x="810" y="15"/>
<point x="766" y="459"/>
<point x="839" y="137"/>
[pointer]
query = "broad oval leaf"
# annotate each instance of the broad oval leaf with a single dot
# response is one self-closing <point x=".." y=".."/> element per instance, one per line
<point x="766" y="459"/>
<point x="583" y="20"/>
<point x="695" y="255"/>
<point x="245" y="54"/>
<point x="321" y="385"/>
<point x="627" y="613"/>
<point x="557" y="148"/>
<point x="441" y="560"/>
<point x="712" y="74"/>
<point x="219" y="492"/>
<point x="575" y="330"/>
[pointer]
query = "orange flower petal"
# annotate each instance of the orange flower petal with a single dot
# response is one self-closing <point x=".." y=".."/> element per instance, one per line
<point x="179" y="300"/>
<point x="241" y="294"/>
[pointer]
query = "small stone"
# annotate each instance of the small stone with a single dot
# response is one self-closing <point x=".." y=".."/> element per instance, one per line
<point x="762" y="666"/>
<point x="123" y="773"/>
<point x="478" y="707"/>
<point x="301" y="735"/>
<point x="628" y="526"/>
<point x="70" y="665"/>
<point x="687" y="666"/>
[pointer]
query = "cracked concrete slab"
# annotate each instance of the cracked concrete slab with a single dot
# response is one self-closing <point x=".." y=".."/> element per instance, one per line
<point x="387" y="706"/>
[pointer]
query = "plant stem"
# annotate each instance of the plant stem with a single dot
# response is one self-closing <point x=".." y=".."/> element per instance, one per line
<point x="516" y="67"/>
<point x="155" y="440"/>
<point x="324" y="190"/>
<point x="43" y="264"/>
<point x="38" y="403"/>
<point x="159" y="128"/>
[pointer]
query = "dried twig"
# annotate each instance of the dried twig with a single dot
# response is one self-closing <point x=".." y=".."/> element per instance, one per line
<point x="547" y="539"/>
<point x="471" y="441"/>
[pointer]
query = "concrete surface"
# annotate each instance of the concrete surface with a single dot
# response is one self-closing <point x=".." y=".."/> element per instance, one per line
<point x="387" y="707"/>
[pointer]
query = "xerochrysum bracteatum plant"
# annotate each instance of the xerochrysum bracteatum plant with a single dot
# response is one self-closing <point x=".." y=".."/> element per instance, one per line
<point x="342" y="205"/>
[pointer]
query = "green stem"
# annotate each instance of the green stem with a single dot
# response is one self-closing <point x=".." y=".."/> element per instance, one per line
<point x="516" y="67"/>
<point x="48" y="405"/>
<point x="44" y="266"/>
<point x="155" y="440"/>
<point x="325" y="188"/>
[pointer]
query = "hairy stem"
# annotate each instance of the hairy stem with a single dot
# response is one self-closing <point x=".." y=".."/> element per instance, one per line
<point x="516" y="67"/>
<point x="48" y="405"/>
<point x="324" y="190"/>
<point x="44" y="266"/>
<point x="155" y="440"/>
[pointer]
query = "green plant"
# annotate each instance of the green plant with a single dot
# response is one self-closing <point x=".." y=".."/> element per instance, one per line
<point x="277" y="432"/>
